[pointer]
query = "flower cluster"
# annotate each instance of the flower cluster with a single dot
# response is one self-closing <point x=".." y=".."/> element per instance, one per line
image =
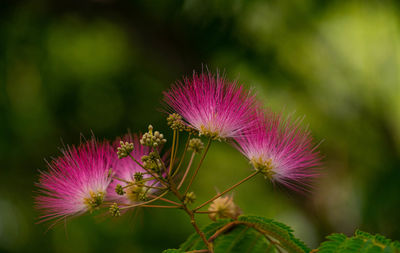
<point x="130" y="172"/>
<point x="88" y="175"/>
<point x="276" y="146"/>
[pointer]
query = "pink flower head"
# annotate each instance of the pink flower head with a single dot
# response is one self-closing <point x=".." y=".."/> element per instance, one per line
<point x="212" y="105"/>
<point x="281" y="150"/>
<point x="76" y="182"/>
<point x="127" y="171"/>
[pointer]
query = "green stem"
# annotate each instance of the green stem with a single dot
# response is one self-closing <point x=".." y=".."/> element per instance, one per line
<point x="187" y="170"/>
<point x="183" y="155"/>
<point x="176" y="146"/>
<point x="166" y="200"/>
<point x="161" y="180"/>
<point x="122" y="180"/>
<point x="157" y="206"/>
<point x="227" y="190"/>
<point x="198" y="167"/>
<point x="191" y="215"/>
<point x="146" y="202"/>
<point x="171" y="161"/>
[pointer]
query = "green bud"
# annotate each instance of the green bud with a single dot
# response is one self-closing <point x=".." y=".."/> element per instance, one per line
<point x="114" y="210"/>
<point x="189" y="198"/>
<point x="150" y="162"/>
<point x="191" y="131"/>
<point x="152" y="139"/>
<point x="119" y="189"/>
<point x="196" y="145"/>
<point x="175" y="122"/>
<point x="124" y="150"/>
<point x="138" y="176"/>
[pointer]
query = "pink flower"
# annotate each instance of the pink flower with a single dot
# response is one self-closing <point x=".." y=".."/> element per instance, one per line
<point x="281" y="150"/>
<point x="127" y="172"/>
<point x="76" y="182"/>
<point x="212" y="105"/>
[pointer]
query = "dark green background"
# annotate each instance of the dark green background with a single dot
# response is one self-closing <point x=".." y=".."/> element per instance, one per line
<point x="68" y="67"/>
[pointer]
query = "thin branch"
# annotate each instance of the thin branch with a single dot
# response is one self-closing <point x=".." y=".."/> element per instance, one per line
<point x="183" y="155"/>
<point x="122" y="180"/>
<point x="166" y="200"/>
<point x="198" y="167"/>
<point x="187" y="170"/>
<point x="171" y="161"/>
<point x="223" y="229"/>
<point x="147" y="202"/>
<point x="227" y="190"/>
<point x="206" y="212"/>
<point x="157" y="206"/>
<point x="161" y="180"/>
<point x="176" y="146"/>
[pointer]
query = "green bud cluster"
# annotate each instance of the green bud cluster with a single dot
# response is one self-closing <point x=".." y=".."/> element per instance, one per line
<point x="189" y="198"/>
<point x="138" y="176"/>
<point x="114" y="210"/>
<point x="196" y="145"/>
<point x="136" y="192"/>
<point x="94" y="201"/>
<point x="124" y="150"/>
<point x="151" y="162"/>
<point x="152" y="139"/>
<point x="192" y="131"/>
<point x="119" y="189"/>
<point x="175" y="122"/>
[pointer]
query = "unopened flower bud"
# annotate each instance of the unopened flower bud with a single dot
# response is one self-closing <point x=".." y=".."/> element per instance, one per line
<point x="124" y="150"/>
<point x="196" y="145"/>
<point x="222" y="208"/>
<point x="189" y="198"/>
<point x="150" y="162"/>
<point x="175" y="122"/>
<point x="191" y="131"/>
<point x="114" y="210"/>
<point x="138" y="176"/>
<point x="152" y="139"/>
<point x="119" y="189"/>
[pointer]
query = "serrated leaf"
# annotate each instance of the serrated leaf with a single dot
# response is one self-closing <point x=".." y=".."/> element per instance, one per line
<point x="361" y="242"/>
<point x="279" y="231"/>
<point x="248" y="234"/>
<point x="194" y="241"/>
<point x="243" y="239"/>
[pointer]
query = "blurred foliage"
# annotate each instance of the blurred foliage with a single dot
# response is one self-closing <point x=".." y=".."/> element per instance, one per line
<point x="72" y="67"/>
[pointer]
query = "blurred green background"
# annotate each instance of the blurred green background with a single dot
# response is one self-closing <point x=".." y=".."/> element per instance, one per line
<point x="68" y="67"/>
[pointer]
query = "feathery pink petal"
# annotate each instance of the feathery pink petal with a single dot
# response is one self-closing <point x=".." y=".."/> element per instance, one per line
<point x="282" y="150"/>
<point x="212" y="105"/>
<point x="76" y="182"/>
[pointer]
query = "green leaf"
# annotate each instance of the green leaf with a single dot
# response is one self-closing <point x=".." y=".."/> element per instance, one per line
<point x="279" y="231"/>
<point x="248" y="234"/>
<point x="361" y="242"/>
<point x="194" y="241"/>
